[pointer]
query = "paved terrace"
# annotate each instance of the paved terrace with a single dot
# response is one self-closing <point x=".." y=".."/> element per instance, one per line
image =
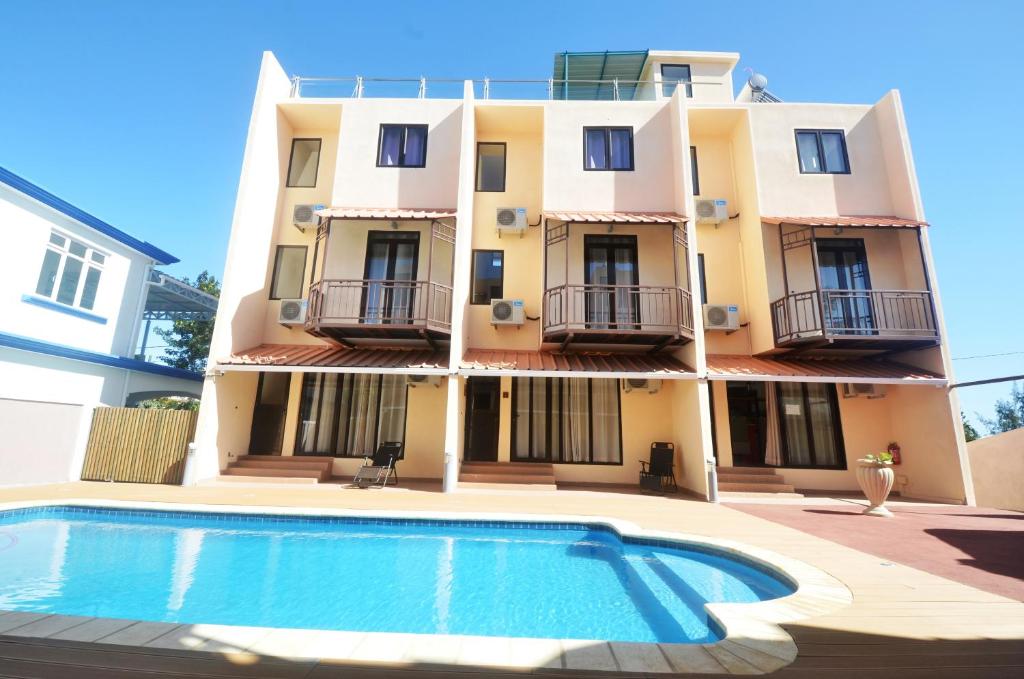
<point x="904" y="622"/>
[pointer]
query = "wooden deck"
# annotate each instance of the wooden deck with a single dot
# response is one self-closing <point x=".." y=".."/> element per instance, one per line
<point x="903" y="623"/>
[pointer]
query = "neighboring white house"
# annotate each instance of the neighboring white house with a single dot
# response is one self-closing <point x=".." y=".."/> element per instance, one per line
<point x="73" y="294"/>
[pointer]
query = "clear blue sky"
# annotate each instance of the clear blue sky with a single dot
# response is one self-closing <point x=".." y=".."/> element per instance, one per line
<point x="137" y="111"/>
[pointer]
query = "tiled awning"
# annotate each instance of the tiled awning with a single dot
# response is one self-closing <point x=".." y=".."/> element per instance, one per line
<point x="330" y="358"/>
<point x="385" y="213"/>
<point x="617" y="217"/>
<point x="854" y="370"/>
<point x="851" y="221"/>
<point x="590" y="364"/>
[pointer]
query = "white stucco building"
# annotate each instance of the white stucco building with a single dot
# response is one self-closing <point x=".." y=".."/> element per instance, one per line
<point x="73" y="294"/>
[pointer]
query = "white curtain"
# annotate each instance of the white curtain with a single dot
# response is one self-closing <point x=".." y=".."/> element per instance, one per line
<point x="576" y="422"/>
<point x="791" y="403"/>
<point x="605" y="407"/>
<point x="392" y="408"/>
<point x="822" y="425"/>
<point x="362" y="420"/>
<point x="772" y="440"/>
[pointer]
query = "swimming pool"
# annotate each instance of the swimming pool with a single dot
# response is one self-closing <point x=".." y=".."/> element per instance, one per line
<point x="489" y="578"/>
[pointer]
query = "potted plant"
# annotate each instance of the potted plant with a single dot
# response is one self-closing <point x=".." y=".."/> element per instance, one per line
<point x="875" y="476"/>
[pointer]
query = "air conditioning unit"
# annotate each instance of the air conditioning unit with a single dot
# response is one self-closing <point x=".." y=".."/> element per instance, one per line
<point x="861" y="389"/>
<point x="292" y="312"/>
<point x="714" y="211"/>
<point x="512" y="220"/>
<point x="423" y="380"/>
<point x="304" y="216"/>
<point x="650" y="386"/>
<point x="721" y="317"/>
<point x="507" y="312"/>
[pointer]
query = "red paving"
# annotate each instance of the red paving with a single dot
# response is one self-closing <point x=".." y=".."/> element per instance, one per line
<point x="983" y="548"/>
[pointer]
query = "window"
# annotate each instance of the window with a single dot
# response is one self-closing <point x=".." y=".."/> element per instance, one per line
<point x="703" y="280"/>
<point x="608" y="148"/>
<point x="347" y="415"/>
<point x="822" y="152"/>
<point x="305" y="160"/>
<point x="490" y="166"/>
<point x="693" y="166"/>
<point x="811" y="432"/>
<point x="674" y="74"/>
<point x="71" y="272"/>
<point x="402" y="146"/>
<point x="289" y="267"/>
<point x="488" y="276"/>
<point x="566" y="420"/>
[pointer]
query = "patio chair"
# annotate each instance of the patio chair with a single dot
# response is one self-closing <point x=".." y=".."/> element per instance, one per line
<point x="380" y="469"/>
<point x="657" y="475"/>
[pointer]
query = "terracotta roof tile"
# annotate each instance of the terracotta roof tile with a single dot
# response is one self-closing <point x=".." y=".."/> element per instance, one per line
<point x="617" y="217"/>
<point x="386" y="213"/>
<point x="864" y="220"/>
<point x="496" y="360"/>
<point x="721" y="366"/>
<point x="337" y="358"/>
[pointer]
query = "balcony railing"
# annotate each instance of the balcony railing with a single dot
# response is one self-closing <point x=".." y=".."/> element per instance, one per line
<point x="379" y="305"/>
<point x="618" y="310"/>
<point x="863" y="316"/>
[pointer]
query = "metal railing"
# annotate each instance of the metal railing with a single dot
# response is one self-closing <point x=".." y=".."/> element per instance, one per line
<point x="879" y="314"/>
<point x="642" y="309"/>
<point x="357" y="302"/>
<point x="613" y="89"/>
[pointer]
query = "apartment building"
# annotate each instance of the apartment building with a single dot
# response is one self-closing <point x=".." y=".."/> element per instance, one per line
<point x="550" y="276"/>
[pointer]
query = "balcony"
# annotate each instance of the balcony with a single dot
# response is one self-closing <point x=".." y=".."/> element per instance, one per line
<point x="353" y="309"/>
<point x="856" y="319"/>
<point x="595" y="290"/>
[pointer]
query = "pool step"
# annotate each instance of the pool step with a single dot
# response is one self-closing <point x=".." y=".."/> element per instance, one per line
<point x="751" y="480"/>
<point x="310" y="469"/>
<point x="528" y="474"/>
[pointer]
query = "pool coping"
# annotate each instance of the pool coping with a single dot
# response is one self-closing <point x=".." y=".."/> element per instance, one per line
<point x="753" y="642"/>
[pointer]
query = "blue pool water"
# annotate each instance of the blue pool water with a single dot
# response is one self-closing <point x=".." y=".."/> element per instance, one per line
<point x="570" y="581"/>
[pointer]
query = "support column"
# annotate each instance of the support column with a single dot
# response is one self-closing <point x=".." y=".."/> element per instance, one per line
<point x="451" y="436"/>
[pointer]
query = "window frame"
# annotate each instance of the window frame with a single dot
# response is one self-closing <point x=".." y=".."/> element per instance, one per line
<point x="274" y="270"/>
<point x="608" y="147"/>
<point x="291" y="159"/>
<point x="702" y="278"/>
<point x="837" y="429"/>
<point x="472" y="276"/>
<point x="504" y="166"/>
<point x="821" y="150"/>
<point x="401" y="149"/>
<point x="88" y="263"/>
<point x="549" y="389"/>
<point x="688" y="84"/>
<point x="695" y="176"/>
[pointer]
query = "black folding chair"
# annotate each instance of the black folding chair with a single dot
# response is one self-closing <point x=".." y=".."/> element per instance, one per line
<point x="658" y="474"/>
<point x="379" y="469"/>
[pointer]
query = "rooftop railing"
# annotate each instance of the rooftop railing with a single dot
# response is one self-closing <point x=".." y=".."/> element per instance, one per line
<point x="614" y="89"/>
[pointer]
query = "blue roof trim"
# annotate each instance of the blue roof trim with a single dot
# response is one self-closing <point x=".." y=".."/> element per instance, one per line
<point x="62" y="308"/>
<point x="51" y="349"/>
<point x="43" y="196"/>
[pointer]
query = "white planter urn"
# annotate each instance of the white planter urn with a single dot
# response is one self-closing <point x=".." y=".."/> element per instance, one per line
<point x="876" y="481"/>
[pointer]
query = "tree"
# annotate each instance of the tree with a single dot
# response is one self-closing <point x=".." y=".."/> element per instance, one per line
<point x="1009" y="412"/>
<point x="970" y="433"/>
<point x="188" y="342"/>
<point x="170" y="403"/>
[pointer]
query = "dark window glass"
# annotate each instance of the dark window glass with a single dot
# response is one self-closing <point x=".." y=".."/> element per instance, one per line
<point x="68" y="287"/>
<point x="693" y="166"/>
<point x="608" y="148"/>
<point x="566" y="420"/>
<point x="402" y="146"/>
<point x="490" y="166"/>
<point x="345" y="415"/>
<point x="92" y="283"/>
<point x="811" y="433"/>
<point x="302" y="167"/>
<point x="488" y="276"/>
<point x="703" y="280"/>
<point x="289" y="267"/>
<point x="673" y="74"/>
<point x="822" y="152"/>
<point x="48" y="274"/>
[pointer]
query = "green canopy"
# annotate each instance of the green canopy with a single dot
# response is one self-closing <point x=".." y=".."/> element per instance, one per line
<point x="575" y="74"/>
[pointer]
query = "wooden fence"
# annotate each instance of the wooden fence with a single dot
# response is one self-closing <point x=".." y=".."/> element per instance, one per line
<point x="138" y="445"/>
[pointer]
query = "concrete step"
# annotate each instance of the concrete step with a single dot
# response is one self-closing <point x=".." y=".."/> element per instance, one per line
<point x="470" y="485"/>
<point x="285" y="459"/>
<point x="315" y="474"/>
<point x="502" y="467"/>
<point x="748" y="470"/>
<point x="728" y="487"/>
<point x="277" y="464"/>
<point x="239" y="478"/>
<point x="507" y="478"/>
<point x="730" y="495"/>
<point x="749" y="478"/>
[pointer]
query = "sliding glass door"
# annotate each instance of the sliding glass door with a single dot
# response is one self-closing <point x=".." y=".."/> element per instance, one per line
<point x="566" y="420"/>
<point x="610" y="267"/>
<point x="343" y="415"/>
<point x="810" y="428"/>
<point x="390" y="275"/>
<point x="843" y="265"/>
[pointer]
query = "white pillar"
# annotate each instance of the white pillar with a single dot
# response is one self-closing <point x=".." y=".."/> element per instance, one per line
<point x="451" y="436"/>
